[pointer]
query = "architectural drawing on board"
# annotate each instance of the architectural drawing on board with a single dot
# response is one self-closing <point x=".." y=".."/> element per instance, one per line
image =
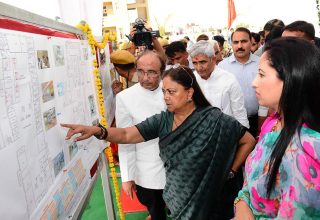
<point x="43" y="81"/>
<point x="67" y="191"/>
<point x="24" y="177"/>
<point x="20" y="114"/>
<point x="58" y="54"/>
<point x="9" y="122"/>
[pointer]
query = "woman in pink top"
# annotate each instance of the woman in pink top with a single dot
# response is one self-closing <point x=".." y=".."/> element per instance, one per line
<point x="283" y="172"/>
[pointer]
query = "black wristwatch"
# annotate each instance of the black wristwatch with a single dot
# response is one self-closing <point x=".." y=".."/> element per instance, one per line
<point x="104" y="132"/>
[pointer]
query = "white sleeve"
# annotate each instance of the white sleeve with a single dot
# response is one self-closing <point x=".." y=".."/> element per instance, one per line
<point x="127" y="152"/>
<point x="237" y="104"/>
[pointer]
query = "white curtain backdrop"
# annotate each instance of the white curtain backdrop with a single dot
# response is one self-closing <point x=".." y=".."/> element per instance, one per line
<point x="71" y="12"/>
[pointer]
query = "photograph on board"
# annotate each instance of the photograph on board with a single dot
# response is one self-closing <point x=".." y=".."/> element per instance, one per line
<point x="58" y="55"/>
<point x="58" y="163"/>
<point x="47" y="91"/>
<point x="50" y="118"/>
<point x="43" y="59"/>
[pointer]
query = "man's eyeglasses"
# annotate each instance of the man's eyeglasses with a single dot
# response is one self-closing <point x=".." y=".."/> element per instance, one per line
<point x="149" y="73"/>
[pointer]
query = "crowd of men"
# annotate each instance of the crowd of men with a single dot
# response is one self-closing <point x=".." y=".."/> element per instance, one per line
<point x="225" y="77"/>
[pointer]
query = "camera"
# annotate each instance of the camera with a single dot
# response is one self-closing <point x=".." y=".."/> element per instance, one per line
<point x="143" y="37"/>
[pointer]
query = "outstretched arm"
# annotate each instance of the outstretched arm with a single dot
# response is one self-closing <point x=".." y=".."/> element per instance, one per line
<point x="129" y="135"/>
<point x="246" y="145"/>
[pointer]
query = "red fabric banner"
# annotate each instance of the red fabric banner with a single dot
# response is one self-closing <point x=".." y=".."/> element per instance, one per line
<point x="231" y="13"/>
<point x="18" y="26"/>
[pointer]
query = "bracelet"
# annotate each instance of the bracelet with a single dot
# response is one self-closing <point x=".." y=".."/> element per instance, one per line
<point x="231" y="174"/>
<point x="238" y="199"/>
<point x="104" y="133"/>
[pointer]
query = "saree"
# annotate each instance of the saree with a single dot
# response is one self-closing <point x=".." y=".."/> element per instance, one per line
<point x="197" y="157"/>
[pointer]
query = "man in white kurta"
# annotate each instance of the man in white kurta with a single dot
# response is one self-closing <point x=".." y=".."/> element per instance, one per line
<point x="140" y="164"/>
<point x="219" y="86"/>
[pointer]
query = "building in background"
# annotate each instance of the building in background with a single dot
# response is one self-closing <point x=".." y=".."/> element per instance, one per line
<point x="118" y="15"/>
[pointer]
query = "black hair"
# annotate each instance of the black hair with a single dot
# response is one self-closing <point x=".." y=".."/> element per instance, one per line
<point x="261" y="33"/>
<point x="297" y="62"/>
<point x="273" y="23"/>
<point x="242" y="29"/>
<point x="302" y="26"/>
<point x="184" y="76"/>
<point x="219" y="39"/>
<point x="255" y="36"/>
<point x="146" y="52"/>
<point x="176" y="46"/>
<point x="276" y="32"/>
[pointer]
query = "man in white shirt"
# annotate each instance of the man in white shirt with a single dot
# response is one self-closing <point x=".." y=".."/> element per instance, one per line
<point x="141" y="167"/>
<point x="220" y="87"/>
<point x="244" y="66"/>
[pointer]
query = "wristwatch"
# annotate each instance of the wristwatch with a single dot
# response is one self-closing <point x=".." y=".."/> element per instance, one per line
<point x="104" y="132"/>
<point x="231" y="174"/>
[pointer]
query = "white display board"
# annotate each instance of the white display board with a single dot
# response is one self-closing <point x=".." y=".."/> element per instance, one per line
<point x="108" y="75"/>
<point x="44" y="81"/>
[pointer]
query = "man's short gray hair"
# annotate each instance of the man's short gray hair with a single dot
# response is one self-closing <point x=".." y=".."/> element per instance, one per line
<point x="202" y="47"/>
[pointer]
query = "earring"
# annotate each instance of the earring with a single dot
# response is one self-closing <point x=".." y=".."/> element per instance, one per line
<point x="189" y="100"/>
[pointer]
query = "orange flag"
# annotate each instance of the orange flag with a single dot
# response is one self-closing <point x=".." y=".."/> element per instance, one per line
<point x="231" y="13"/>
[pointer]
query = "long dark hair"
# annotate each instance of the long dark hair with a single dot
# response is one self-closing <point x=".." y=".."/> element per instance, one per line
<point x="297" y="63"/>
<point x="184" y="76"/>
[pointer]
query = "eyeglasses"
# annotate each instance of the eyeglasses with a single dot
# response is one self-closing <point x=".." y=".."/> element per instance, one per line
<point x="149" y="73"/>
<point x="177" y="66"/>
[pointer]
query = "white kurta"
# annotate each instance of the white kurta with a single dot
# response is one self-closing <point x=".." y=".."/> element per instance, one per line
<point x="223" y="91"/>
<point x="140" y="162"/>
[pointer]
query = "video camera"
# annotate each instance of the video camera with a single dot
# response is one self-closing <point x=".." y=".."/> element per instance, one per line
<point x="143" y="37"/>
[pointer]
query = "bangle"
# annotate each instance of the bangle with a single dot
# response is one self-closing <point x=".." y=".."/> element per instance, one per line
<point x="231" y="174"/>
<point x="104" y="133"/>
<point x="232" y="170"/>
<point x="238" y="199"/>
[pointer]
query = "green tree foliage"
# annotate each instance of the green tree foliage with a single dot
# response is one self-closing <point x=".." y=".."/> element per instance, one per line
<point x="242" y="25"/>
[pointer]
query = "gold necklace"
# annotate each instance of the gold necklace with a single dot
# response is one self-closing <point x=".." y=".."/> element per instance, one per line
<point x="274" y="128"/>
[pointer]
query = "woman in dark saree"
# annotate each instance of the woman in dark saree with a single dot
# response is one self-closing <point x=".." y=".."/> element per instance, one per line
<point x="202" y="148"/>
